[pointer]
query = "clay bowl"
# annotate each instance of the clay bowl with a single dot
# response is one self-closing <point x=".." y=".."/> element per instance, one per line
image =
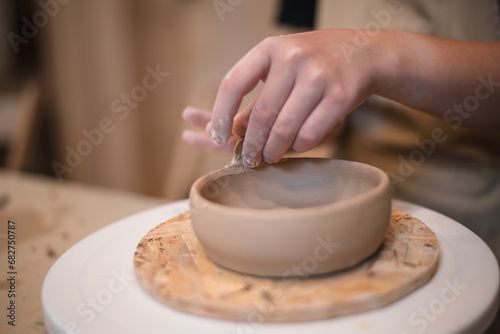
<point x="298" y="217"/>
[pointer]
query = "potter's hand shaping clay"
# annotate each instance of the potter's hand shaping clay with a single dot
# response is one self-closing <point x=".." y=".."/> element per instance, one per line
<point x="313" y="80"/>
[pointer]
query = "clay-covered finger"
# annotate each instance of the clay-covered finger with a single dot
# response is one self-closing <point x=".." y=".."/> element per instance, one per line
<point x="275" y="92"/>
<point x="239" y="81"/>
<point x="302" y="101"/>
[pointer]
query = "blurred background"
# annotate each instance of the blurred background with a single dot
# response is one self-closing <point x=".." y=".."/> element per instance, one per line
<point x="93" y="90"/>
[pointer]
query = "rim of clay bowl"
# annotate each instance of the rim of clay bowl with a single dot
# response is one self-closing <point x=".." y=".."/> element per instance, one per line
<point x="195" y="191"/>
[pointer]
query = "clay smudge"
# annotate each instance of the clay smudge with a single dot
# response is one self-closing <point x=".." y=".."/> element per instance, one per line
<point x="237" y="160"/>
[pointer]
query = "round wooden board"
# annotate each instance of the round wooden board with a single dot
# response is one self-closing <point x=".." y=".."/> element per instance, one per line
<point x="170" y="265"/>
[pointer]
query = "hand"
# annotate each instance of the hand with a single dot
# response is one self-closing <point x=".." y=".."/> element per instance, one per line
<point x="310" y="85"/>
<point x="200" y="139"/>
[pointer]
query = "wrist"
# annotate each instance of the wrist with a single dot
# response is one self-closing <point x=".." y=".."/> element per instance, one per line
<point x="394" y="65"/>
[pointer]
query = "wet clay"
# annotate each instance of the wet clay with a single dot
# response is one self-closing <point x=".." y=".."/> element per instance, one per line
<point x="264" y="220"/>
<point x="237" y="160"/>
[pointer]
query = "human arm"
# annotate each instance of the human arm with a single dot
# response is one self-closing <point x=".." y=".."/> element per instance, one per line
<point x="313" y="80"/>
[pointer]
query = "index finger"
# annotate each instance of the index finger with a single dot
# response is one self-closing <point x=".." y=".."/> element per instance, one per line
<point x="238" y="82"/>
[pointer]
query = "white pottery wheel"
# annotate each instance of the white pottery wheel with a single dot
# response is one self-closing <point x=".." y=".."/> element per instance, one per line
<point x="92" y="289"/>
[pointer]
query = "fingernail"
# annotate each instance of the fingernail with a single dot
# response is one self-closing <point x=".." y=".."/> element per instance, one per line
<point x="217" y="138"/>
<point x="268" y="159"/>
<point x="249" y="161"/>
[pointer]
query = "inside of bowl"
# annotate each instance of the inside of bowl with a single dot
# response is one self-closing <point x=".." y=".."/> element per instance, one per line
<point x="296" y="183"/>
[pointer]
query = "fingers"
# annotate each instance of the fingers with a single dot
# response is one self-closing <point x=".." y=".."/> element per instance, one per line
<point x="196" y="117"/>
<point x="323" y="119"/>
<point x="239" y="81"/>
<point x="308" y="89"/>
<point x="295" y="111"/>
<point x="271" y="99"/>
<point x="201" y="119"/>
<point x="204" y="142"/>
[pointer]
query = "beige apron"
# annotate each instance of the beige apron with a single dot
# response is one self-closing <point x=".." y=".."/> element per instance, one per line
<point x="449" y="169"/>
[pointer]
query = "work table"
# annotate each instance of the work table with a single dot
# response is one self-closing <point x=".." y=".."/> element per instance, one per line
<point x="48" y="218"/>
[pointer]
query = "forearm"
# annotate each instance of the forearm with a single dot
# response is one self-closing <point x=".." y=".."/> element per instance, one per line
<point x="456" y="81"/>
